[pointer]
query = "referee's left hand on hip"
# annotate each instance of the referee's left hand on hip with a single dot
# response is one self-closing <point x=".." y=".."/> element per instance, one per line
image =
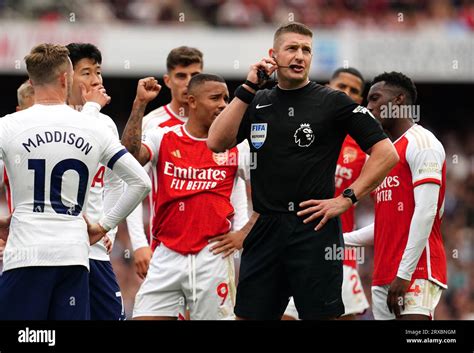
<point x="327" y="209"/>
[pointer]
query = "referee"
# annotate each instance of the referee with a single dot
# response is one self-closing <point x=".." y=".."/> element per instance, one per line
<point x="296" y="131"/>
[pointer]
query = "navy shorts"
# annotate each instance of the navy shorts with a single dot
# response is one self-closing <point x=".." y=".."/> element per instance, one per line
<point x="105" y="297"/>
<point x="284" y="257"/>
<point x="45" y="293"/>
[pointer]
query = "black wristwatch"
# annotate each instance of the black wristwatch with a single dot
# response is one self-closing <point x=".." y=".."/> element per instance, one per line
<point x="349" y="193"/>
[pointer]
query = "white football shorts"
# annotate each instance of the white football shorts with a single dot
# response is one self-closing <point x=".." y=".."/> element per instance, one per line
<point x="353" y="295"/>
<point x="203" y="282"/>
<point x="421" y="298"/>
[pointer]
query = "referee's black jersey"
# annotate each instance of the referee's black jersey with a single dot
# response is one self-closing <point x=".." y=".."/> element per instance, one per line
<point x="295" y="137"/>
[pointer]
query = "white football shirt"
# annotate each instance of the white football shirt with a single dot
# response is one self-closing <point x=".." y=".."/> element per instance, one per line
<point x="106" y="186"/>
<point x="51" y="154"/>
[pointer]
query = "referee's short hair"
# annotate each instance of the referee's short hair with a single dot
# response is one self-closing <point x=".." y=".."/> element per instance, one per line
<point x="401" y="81"/>
<point x="200" y="79"/>
<point x="293" y="27"/>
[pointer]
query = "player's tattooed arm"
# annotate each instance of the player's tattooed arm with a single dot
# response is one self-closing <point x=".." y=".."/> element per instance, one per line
<point x="232" y="241"/>
<point x="132" y="134"/>
<point x="147" y="90"/>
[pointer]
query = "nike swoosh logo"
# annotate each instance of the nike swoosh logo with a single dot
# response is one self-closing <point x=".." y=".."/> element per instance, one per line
<point x="262" y="106"/>
<point x="332" y="302"/>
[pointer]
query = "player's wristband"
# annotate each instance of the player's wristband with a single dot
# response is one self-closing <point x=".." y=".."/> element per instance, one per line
<point x="252" y="85"/>
<point x="244" y="95"/>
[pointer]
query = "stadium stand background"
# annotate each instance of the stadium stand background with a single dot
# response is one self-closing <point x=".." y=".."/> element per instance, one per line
<point x="445" y="100"/>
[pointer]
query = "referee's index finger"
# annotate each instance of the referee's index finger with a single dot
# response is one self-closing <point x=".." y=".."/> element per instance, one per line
<point x="309" y="203"/>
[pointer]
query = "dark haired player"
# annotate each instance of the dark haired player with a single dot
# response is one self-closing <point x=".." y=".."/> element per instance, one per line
<point x="192" y="206"/>
<point x="409" y="256"/>
<point x="105" y="296"/>
<point x="51" y="153"/>
<point x="182" y="63"/>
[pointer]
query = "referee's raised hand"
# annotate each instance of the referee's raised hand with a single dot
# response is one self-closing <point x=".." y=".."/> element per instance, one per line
<point x="268" y="65"/>
<point x="327" y="209"/>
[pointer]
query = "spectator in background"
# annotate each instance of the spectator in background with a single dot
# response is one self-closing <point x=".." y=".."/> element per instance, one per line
<point x="25" y="96"/>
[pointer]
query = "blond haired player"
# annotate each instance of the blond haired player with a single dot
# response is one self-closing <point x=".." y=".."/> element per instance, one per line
<point x="51" y="152"/>
<point x="25" y="98"/>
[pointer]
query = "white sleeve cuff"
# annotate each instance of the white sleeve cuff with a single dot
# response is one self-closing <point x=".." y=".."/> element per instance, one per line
<point x="91" y="107"/>
<point x="426" y="207"/>
<point x="360" y="237"/>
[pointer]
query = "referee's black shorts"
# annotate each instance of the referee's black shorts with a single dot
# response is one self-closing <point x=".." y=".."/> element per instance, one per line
<point x="284" y="257"/>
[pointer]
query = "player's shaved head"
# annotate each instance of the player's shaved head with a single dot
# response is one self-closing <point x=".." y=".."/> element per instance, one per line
<point x="294" y="27"/>
<point x="199" y="80"/>
<point x="45" y="62"/>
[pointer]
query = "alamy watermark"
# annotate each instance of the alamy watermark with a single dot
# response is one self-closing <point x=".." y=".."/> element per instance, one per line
<point x="345" y="253"/>
<point x="403" y="111"/>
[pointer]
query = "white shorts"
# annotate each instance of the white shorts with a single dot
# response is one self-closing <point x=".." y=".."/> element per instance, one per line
<point x="353" y="295"/>
<point x="204" y="282"/>
<point x="421" y="299"/>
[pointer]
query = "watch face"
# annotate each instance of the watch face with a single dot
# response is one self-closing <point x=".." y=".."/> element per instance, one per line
<point x="348" y="192"/>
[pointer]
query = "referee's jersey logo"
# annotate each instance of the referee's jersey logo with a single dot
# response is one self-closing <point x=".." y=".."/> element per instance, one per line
<point x="304" y="135"/>
<point x="258" y="134"/>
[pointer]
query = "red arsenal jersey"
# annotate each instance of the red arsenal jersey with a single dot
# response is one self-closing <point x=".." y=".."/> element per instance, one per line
<point x="422" y="160"/>
<point x="194" y="186"/>
<point x="160" y="117"/>
<point x="349" y="165"/>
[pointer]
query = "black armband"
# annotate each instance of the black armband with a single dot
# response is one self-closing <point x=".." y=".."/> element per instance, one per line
<point x="244" y="95"/>
<point x="252" y="85"/>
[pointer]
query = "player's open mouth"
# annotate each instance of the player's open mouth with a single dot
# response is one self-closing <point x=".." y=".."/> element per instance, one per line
<point x="297" y="68"/>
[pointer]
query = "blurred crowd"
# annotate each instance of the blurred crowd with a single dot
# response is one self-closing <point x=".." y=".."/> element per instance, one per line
<point x="392" y="14"/>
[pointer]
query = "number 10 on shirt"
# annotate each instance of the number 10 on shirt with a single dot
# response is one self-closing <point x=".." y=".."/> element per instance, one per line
<point x="57" y="173"/>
